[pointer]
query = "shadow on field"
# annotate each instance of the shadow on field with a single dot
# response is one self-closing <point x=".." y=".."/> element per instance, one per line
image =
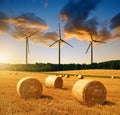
<point x="64" y="88"/>
<point x="109" y="103"/>
<point x="46" y="97"/>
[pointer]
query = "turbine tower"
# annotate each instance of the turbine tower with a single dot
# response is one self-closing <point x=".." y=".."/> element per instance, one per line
<point x="59" y="44"/>
<point x="27" y="42"/>
<point x="91" y="45"/>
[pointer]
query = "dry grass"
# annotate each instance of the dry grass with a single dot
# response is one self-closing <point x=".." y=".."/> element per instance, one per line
<point x="55" y="101"/>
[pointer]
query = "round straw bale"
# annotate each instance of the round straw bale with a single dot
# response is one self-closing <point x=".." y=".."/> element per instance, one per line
<point x="89" y="92"/>
<point x="29" y="87"/>
<point x="53" y="82"/>
<point x="75" y="75"/>
<point x="67" y="76"/>
<point x="80" y="77"/>
<point x="60" y="75"/>
<point x="113" y="77"/>
<point x="63" y="75"/>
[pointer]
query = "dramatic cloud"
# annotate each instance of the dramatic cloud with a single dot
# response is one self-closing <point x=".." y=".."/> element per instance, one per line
<point x="82" y="7"/>
<point x="3" y="23"/>
<point x="29" y="23"/>
<point x="50" y="35"/>
<point x="25" y="25"/>
<point x="104" y="34"/>
<point x="77" y="15"/>
<point x="115" y="26"/>
<point x="115" y="21"/>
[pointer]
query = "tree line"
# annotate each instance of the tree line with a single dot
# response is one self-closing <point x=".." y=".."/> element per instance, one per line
<point x="42" y="67"/>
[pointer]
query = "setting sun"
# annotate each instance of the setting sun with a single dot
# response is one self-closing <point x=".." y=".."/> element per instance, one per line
<point x="8" y="59"/>
<point x="3" y="58"/>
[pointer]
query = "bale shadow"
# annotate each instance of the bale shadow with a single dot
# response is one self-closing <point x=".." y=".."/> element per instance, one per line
<point x="61" y="88"/>
<point x="64" y="88"/>
<point x="46" y="97"/>
<point x="109" y="103"/>
<point x="106" y="103"/>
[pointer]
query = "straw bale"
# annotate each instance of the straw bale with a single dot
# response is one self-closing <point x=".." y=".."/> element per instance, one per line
<point x="29" y="87"/>
<point x="60" y="75"/>
<point x="113" y="77"/>
<point x="75" y="75"/>
<point x="53" y="81"/>
<point x="66" y="76"/>
<point x="80" y="77"/>
<point x="89" y="92"/>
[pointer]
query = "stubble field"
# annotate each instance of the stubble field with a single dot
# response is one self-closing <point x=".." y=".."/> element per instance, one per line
<point x="58" y="101"/>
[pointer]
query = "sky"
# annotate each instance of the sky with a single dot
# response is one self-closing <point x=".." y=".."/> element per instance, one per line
<point x="21" y="18"/>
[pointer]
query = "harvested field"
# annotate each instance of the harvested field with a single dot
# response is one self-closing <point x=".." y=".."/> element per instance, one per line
<point x="57" y="101"/>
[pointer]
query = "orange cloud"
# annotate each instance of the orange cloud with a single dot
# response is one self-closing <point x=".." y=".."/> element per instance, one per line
<point x="116" y="32"/>
<point x="4" y="27"/>
<point x="26" y="24"/>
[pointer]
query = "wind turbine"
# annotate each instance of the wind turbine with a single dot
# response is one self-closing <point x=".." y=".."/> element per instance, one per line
<point x="27" y="41"/>
<point x="91" y="45"/>
<point x="59" y="43"/>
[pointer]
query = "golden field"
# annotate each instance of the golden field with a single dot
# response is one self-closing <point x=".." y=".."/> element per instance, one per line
<point x="58" y="101"/>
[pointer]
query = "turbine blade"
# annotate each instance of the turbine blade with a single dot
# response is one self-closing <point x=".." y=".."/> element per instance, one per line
<point x="33" y="33"/>
<point x="91" y="36"/>
<point x="98" y="41"/>
<point x="20" y="31"/>
<point x="66" y="43"/>
<point x="25" y="34"/>
<point x="59" y="30"/>
<point x="53" y="43"/>
<point x="88" y="47"/>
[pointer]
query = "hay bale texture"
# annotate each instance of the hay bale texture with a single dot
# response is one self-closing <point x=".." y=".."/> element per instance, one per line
<point x="53" y="81"/>
<point x="29" y="87"/>
<point x="89" y="92"/>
